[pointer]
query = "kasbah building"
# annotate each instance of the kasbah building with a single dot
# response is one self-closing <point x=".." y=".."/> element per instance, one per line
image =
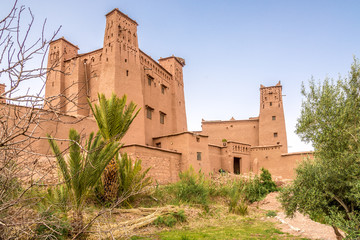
<point x="159" y="134"/>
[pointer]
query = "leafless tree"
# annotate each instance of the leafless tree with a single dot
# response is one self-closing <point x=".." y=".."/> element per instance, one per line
<point x="22" y="63"/>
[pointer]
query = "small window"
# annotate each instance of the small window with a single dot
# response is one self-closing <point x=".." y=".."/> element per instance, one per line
<point x="125" y="60"/>
<point x="198" y="156"/>
<point x="275" y="134"/>
<point x="127" y="72"/>
<point x="150" y="79"/>
<point x="149" y="112"/>
<point x="197" y="139"/>
<point x="270" y="103"/>
<point x="158" y="144"/>
<point x="273" y="117"/>
<point x="162" y="117"/>
<point x="163" y="87"/>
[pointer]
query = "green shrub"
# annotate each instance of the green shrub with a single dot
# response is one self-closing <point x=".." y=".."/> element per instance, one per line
<point x="192" y="188"/>
<point x="271" y="213"/>
<point x="254" y="190"/>
<point x="52" y="226"/>
<point x="170" y="219"/>
<point x="237" y="200"/>
<point x="180" y="215"/>
<point x="266" y="180"/>
<point x="241" y="208"/>
<point x="10" y="186"/>
<point x="257" y="188"/>
<point x="132" y="180"/>
<point x="56" y="198"/>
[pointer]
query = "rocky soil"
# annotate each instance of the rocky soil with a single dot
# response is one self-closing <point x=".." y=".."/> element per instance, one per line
<point x="300" y="225"/>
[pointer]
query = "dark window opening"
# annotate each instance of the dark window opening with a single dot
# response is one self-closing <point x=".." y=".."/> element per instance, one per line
<point x="198" y="156"/>
<point x="163" y="87"/>
<point x="149" y="112"/>
<point x="270" y="103"/>
<point x="127" y="72"/>
<point x="197" y="139"/>
<point x="162" y="117"/>
<point x="158" y="144"/>
<point x="273" y="117"/>
<point x="275" y="134"/>
<point x="150" y="79"/>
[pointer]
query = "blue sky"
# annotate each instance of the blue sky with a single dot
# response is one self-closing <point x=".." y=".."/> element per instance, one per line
<point x="230" y="47"/>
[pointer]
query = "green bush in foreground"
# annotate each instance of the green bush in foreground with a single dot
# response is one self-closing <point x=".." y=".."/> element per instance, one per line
<point x="258" y="187"/>
<point x="192" y="188"/>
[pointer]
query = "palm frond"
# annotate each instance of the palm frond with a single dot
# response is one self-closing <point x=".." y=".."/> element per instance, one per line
<point x="61" y="161"/>
<point x="113" y="116"/>
<point x="131" y="176"/>
<point x="75" y="164"/>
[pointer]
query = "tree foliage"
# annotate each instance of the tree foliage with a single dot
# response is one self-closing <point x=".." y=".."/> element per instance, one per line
<point x="113" y="116"/>
<point x="83" y="168"/>
<point x="328" y="187"/>
<point x="131" y="176"/>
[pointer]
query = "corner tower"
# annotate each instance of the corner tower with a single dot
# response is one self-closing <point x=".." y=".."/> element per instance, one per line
<point x="272" y="130"/>
<point x="60" y="50"/>
<point x="175" y="66"/>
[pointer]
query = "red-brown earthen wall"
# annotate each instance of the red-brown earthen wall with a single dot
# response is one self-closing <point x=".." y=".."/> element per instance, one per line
<point x="164" y="164"/>
<point x="246" y="131"/>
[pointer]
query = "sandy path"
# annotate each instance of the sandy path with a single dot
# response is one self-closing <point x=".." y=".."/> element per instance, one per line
<point x="300" y="225"/>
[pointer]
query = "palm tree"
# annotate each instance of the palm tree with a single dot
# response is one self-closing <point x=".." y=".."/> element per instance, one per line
<point x="83" y="168"/>
<point x="113" y="118"/>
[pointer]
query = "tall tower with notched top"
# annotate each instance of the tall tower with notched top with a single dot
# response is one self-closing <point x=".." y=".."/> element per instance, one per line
<point x="272" y="129"/>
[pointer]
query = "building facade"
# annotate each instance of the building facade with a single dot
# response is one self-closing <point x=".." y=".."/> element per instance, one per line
<point x="159" y="133"/>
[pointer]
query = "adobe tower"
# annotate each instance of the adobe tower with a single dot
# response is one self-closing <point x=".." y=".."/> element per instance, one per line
<point x="120" y="68"/>
<point x="272" y="129"/>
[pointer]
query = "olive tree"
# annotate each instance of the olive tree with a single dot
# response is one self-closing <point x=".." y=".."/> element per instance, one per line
<point x="327" y="188"/>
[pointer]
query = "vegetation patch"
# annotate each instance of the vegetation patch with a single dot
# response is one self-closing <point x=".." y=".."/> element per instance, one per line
<point x="226" y="228"/>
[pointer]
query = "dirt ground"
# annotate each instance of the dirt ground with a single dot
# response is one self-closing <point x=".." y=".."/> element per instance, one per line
<point x="300" y="225"/>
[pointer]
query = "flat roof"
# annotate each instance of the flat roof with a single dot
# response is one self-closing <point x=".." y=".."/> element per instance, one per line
<point x="150" y="147"/>
<point x="177" y="134"/>
<point x="230" y="121"/>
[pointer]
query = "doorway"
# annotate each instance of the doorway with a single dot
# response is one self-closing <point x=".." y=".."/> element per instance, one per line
<point x="237" y="165"/>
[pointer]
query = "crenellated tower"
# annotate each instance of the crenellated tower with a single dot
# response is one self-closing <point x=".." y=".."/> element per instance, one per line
<point x="272" y="129"/>
<point x="60" y="50"/>
<point x="120" y="67"/>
